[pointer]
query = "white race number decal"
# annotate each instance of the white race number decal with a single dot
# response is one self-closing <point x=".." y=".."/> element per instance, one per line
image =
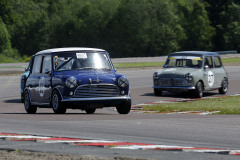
<point x="41" y="86"/>
<point x="210" y="78"/>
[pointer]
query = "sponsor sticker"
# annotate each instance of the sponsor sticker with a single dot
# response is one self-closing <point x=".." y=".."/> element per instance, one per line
<point x="81" y="55"/>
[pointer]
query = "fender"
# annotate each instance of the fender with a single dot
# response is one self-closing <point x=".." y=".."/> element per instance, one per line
<point x="55" y="88"/>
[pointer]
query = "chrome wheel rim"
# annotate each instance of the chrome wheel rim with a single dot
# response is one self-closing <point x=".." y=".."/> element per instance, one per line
<point x="225" y="86"/>
<point x="200" y="89"/>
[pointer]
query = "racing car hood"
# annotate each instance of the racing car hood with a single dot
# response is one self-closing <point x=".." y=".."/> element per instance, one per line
<point x="176" y="72"/>
<point x="95" y="76"/>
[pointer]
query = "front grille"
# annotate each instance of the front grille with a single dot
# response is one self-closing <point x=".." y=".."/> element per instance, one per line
<point x="96" y="90"/>
<point x="172" y="82"/>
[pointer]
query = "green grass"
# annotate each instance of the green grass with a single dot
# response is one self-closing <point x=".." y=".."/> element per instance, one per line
<point x="6" y="59"/>
<point x="138" y="64"/>
<point x="231" y="60"/>
<point x="226" y="105"/>
<point x="225" y="61"/>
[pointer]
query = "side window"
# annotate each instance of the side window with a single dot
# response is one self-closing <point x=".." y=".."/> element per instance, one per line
<point x="217" y="62"/>
<point x="208" y="61"/>
<point x="37" y="65"/>
<point x="46" y="63"/>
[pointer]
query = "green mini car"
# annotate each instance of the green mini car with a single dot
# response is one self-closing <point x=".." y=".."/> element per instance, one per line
<point x="194" y="71"/>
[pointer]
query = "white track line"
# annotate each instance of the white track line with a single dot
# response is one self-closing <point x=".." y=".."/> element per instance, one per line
<point x="23" y="137"/>
<point x="77" y="141"/>
<point x="134" y="147"/>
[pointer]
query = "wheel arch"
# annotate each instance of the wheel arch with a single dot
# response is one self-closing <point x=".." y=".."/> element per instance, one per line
<point x="202" y="83"/>
<point x="225" y="78"/>
<point x="57" y="90"/>
<point x="29" y="94"/>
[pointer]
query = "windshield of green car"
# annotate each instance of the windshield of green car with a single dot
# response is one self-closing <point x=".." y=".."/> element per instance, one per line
<point x="184" y="61"/>
<point x="80" y="60"/>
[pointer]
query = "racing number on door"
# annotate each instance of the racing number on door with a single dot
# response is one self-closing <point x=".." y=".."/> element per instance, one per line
<point x="210" y="78"/>
<point x="41" y="86"/>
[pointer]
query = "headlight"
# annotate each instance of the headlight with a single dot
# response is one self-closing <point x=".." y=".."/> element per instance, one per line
<point x="189" y="77"/>
<point x="156" y="75"/>
<point x="123" y="81"/>
<point x="71" y="82"/>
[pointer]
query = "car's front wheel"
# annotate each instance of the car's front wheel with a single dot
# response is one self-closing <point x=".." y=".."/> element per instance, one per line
<point x="198" y="92"/>
<point x="56" y="103"/>
<point x="90" y="110"/>
<point x="157" y="92"/>
<point x="31" y="109"/>
<point x="22" y="97"/>
<point x="224" y="87"/>
<point x="124" y="107"/>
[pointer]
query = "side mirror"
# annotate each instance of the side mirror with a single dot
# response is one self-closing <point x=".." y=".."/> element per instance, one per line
<point x="115" y="69"/>
<point x="47" y="71"/>
<point x="164" y="66"/>
<point x="24" y="77"/>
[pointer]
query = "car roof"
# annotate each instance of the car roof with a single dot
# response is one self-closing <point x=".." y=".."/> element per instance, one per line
<point x="205" y="53"/>
<point x="54" y="50"/>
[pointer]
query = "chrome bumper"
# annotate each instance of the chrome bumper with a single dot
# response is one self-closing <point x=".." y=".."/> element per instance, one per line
<point x="96" y="99"/>
<point x="173" y="87"/>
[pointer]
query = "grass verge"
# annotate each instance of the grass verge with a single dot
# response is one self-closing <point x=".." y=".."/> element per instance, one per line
<point x="226" y="61"/>
<point x="138" y="64"/>
<point x="226" y="105"/>
<point x="7" y="59"/>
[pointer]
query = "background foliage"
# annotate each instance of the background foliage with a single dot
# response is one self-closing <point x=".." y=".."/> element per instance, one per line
<point x="126" y="28"/>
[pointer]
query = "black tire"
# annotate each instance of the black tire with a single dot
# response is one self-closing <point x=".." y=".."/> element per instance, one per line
<point x="31" y="109"/>
<point x="198" y="92"/>
<point x="157" y="92"/>
<point x="22" y="97"/>
<point x="124" y="107"/>
<point x="90" y="110"/>
<point x="56" y="103"/>
<point x="224" y="87"/>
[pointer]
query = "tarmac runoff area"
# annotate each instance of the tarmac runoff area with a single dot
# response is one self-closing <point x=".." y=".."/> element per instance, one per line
<point x="113" y="144"/>
<point x="103" y="143"/>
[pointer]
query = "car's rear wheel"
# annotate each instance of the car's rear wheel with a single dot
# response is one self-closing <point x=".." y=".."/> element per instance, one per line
<point x="124" y="107"/>
<point x="198" y="92"/>
<point x="56" y="103"/>
<point x="157" y="92"/>
<point x="31" y="109"/>
<point x="90" y="110"/>
<point x="224" y="87"/>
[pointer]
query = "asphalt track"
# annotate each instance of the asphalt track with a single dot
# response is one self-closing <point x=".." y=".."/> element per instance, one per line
<point x="205" y="131"/>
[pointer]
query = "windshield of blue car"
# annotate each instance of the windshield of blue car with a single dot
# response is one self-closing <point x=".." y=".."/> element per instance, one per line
<point x="80" y="61"/>
<point x="184" y="61"/>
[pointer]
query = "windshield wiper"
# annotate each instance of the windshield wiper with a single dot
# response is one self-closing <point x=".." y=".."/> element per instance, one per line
<point x="104" y="68"/>
<point x="83" y="68"/>
<point x="88" y="68"/>
<point x="94" y="68"/>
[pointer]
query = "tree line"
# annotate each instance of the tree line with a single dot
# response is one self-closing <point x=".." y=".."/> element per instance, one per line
<point x="125" y="28"/>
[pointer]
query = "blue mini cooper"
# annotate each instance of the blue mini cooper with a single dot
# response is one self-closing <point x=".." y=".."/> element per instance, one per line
<point x="76" y="78"/>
